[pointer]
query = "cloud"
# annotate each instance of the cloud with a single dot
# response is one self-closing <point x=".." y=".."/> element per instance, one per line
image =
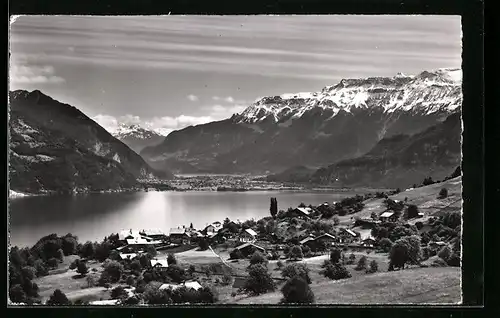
<point x="24" y="74"/>
<point x="219" y="112"/>
<point x="193" y="98"/>
<point x="110" y="123"/>
<point x="215" y="97"/>
<point x="229" y="99"/>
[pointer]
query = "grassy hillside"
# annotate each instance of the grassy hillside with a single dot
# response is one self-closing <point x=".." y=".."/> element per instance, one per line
<point x="412" y="286"/>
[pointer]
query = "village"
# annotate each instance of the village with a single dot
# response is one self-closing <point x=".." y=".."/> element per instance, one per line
<point x="215" y="260"/>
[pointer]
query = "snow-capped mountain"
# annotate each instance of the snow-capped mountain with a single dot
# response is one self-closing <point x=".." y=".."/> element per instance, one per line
<point x="315" y="129"/>
<point x="137" y="137"/>
<point x="427" y="92"/>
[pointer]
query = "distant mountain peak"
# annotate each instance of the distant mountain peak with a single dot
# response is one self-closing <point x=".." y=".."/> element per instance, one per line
<point x="427" y="92"/>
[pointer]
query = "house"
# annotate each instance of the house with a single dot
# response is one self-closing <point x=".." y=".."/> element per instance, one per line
<point x="130" y="256"/>
<point x="300" y="212"/>
<point x="128" y="234"/>
<point x="180" y="236"/>
<point x="248" y="235"/>
<point x="347" y="236"/>
<point x="388" y="217"/>
<point x="327" y="239"/>
<point x="368" y="241"/>
<point x="153" y="234"/>
<point x="219" y="237"/>
<point x="193" y="284"/>
<point x="169" y="286"/>
<point x="249" y="248"/>
<point x="420" y="215"/>
<point x="159" y="263"/>
<point x="308" y="241"/>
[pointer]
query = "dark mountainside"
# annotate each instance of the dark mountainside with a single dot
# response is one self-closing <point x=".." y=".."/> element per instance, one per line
<point x="311" y="129"/>
<point x="399" y="161"/>
<point x="54" y="147"/>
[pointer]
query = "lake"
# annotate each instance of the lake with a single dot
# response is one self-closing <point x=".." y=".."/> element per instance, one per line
<point x="93" y="216"/>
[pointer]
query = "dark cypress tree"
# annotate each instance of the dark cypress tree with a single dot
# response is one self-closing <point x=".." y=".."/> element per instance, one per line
<point x="274" y="207"/>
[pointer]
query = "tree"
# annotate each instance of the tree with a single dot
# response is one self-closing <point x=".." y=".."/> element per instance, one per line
<point x="118" y="293"/>
<point x="176" y="273"/>
<point x="52" y="262"/>
<point x="443" y="193"/>
<point x="296" y="290"/>
<point x="28" y="272"/>
<point x="135" y="265"/>
<point x="68" y="245"/>
<point x="151" y="251"/>
<point x="258" y="258"/>
<point x="336" y="271"/>
<point x="60" y="255"/>
<point x="130" y="281"/>
<point x="296" y="253"/>
<point x="452" y="219"/>
<point x="16" y="294"/>
<point x="306" y="250"/>
<point x="385" y="244"/>
<point x="236" y="254"/>
<point x="88" y="250"/>
<point x="428" y="181"/>
<point x="153" y="296"/>
<point x="171" y="260"/>
<point x="259" y="280"/>
<point x="302" y="205"/>
<point x="274" y="207"/>
<point x="74" y="264"/>
<point x="419" y="225"/>
<point x="361" y="263"/>
<point x="41" y="270"/>
<point x="191" y="226"/>
<point x="445" y="253"/>
<point x="373" y="267"/>
<point x="336" y="220"/>
<point x="58" y="298"/>
<point x="412" y="211"/>
<point x="15" y="257"/>
<point x="82" y="269"/>
<point x="352" y="258"/>
<point x="398" y="255"/>
<point x="91" y="281"/>
<point x="335" y="255"/>
<point x="293" y="270"/>
<point x="114" y="271"/>
<point x="203" y="244"/>
<point x="102" y="251"/>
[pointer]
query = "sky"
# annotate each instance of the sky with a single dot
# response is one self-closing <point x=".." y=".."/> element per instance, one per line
<point x="169" y="72"/>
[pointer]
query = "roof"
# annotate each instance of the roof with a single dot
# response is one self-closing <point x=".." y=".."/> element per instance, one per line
<point x="251" y="232"/>
<point x="195" y="285"/>
<point x="128" y="255"/>
<point x="104" y="302"/>
<point x="307" y="239"/>
<point x="152" y="232"/>
<point x="350" y="232"/>
<point x="141" y="241"/>
<point x="387" y="214"/>
<point x="167" y="286"/>
<point x="248" y="244"/>
<point x="306" y="211"/>
<point x="125" y="233"/>
<point x="161" y="262"/>
<point x="180" y="231"/>
<point x="327" y="235"/>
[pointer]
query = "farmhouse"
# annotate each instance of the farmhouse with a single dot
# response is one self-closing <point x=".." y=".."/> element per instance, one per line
<point x="388" y="217"/>
<point x="248" y="235"/>
<point x="303" y="213"/>
<point x="130" y="256"/>
<point x="308" y="241"/>
<point x="347" y="236"/>
<point x="125" y="235"/>
<point x="249" y="248"/>
<point x="139" y="243"/>
<point x="180" y="236"/>
<point x="193" y="284"/>
<point x="327" y="239"/>
<point x="153" y="234"/>
<point x="162" y="263"/>
<point x="368" y="242"/>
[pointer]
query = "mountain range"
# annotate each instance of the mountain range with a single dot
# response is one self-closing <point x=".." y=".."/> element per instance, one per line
<point x="313" y="130"/>
<point x="137" y="137"/>
<point x="54" y="147"/>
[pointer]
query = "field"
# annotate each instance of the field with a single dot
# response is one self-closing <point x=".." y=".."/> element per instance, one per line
<point x="411" y="286"/>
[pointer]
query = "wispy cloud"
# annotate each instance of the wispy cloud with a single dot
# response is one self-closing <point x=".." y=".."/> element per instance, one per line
<point x="193" y="98"/>
<point x="24" y="74"/>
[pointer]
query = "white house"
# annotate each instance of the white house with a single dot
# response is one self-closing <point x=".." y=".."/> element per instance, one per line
<point x="161" y="263"/>
<point x="193" y="284"/>
<point x="128" y="255"/>
<point x="248" y="235"/>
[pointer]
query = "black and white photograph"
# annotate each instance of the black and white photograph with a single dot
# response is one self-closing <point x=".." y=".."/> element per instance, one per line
<point x="235" y="160"/>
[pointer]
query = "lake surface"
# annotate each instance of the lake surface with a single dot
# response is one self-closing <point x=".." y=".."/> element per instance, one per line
<point x="93" y="216"/>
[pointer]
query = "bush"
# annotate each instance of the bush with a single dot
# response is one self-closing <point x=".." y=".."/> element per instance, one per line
<point x="385" y="244"/>
<point x="361" y="263"/>
<point x="236" y="254"/>
<point x="16" y="294"/>
<point x="257" y="258"/>
<point x="150" y="251"/>
<point x="154" y="296"/>
<point x="171" y="260"/>
<point x="274" y="255"/>
<point x="82" y="269"/>
<point x="135" y="265"/>
<point x="428" y="181"/>
<point x="443" y="193"/>
<point x="419" y="225"/>
<point x="259" y="281"/>
<point x="227" y="279"/>
<point x="102" y="251"/>
<point x="279" y="264"/>
<point x="113" y="270"/>
<point x="52" y="262"/>
<point x="296" y="253"/>
<point x="40" y="268"/>
<point x="203" y="244"/>
<point x="130" y="281"/>
<point x="68" y="245"/>
<point x="88" y="250"/>
<point x="58" y="298"/>
<point x="118" y="293"/>
<point x="293" y="270"/>
<point x="131" y="301"/>
<point x="74" y="264"/>
<point x="336" y="220"/>
<point x="352" y="258"/>
<point x="335" y="255"/>
<point x="297" y="291"/>
<point x="336" y="271"/>
<point x="176" y="273"/>
<point x="445" y="253"/>
<point x="373" y="267"/>
<point x="412" y="211"/>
